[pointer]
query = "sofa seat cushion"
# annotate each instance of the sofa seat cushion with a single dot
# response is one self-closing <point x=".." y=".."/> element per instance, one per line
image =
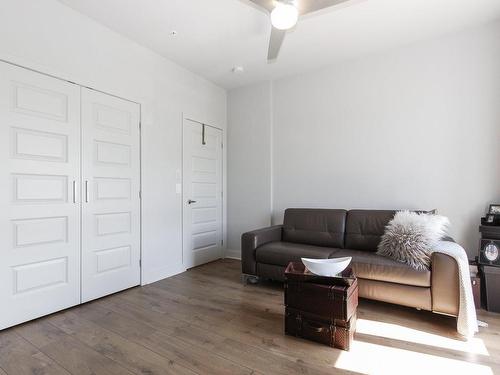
<point x="280" y="253"/>
<point x="370" y="266"/>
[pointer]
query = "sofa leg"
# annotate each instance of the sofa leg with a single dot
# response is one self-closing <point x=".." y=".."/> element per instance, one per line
<point x="249" y="279"/>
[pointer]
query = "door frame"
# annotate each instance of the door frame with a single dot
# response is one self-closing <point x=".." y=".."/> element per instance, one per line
<point x="60" y="76"/>
<point x="186" y="117"/>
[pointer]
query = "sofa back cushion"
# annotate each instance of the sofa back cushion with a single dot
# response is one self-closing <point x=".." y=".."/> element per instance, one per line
<point x="312" y="226"/>
<point x="364" y="228"/>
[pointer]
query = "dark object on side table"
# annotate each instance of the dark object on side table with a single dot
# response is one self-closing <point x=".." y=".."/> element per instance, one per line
<point x="489" y="253"/>
<point x="492" y="218"/>
<point x="321" y="309"/>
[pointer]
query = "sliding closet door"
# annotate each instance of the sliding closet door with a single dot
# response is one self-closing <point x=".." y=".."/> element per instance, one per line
<point x="40" y="208"/>
<point x="110" y="194"/>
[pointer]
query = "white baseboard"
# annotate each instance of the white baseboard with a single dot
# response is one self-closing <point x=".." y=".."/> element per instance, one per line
<point x="161" y="273"/>
<point x="232" y="254"/>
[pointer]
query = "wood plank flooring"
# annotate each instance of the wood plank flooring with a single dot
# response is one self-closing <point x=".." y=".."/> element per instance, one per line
<point x="205" y="321"/>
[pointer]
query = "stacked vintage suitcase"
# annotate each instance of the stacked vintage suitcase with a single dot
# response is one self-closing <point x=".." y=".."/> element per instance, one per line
<point x="321" y="309"/>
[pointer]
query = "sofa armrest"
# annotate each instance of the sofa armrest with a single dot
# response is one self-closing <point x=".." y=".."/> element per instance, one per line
<point x="445" y="284"/>
<point x="250" y="241"/>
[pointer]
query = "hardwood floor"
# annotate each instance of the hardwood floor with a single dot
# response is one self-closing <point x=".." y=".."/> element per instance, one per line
<point x="205" y="321"/>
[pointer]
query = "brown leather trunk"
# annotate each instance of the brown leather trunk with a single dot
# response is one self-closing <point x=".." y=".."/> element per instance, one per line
<point x="331" y="302"/>
<point x="321" y="309"/>
<point x="338" y="334"/>
<point x="331" y="298"/>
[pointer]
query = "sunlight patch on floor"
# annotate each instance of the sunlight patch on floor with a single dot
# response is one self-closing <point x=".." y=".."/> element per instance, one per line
<point x="370" y="358"/>
<point x="397" y="332"/>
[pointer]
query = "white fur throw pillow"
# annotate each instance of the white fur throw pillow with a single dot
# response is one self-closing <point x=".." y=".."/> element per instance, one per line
<point x="409" y="236"/>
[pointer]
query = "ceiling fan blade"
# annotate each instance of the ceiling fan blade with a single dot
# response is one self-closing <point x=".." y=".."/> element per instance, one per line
<point x="266" y="4"/>
<point x="309" y="6"/>
<point x="275" y="42"/>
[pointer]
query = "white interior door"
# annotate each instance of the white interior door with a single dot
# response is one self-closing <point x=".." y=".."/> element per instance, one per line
<point x="40" y="208"/>
<point x="202" y="193"/>
<point x="110" y="194"/>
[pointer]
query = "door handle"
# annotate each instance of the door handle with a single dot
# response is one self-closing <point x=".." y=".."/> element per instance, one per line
<point x="74" y="191"/>
<point x="87" y="197"/>
<point x="190" y="201"/>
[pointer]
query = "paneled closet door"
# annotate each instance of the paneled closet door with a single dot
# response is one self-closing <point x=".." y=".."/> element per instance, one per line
<point x="110" y="194"/>
<point x="40" y="208"/>
<point x="202" y="193"/>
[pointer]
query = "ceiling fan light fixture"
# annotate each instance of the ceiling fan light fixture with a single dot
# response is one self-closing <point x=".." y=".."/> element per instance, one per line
<point x="284" y="16"/>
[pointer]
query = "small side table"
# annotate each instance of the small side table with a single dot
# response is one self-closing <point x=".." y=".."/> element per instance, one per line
<point x="489" y="260"/>
<point x="321" y="309"/>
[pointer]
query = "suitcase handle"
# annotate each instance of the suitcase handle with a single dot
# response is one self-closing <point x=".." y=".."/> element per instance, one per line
<point x="314" y="327"/>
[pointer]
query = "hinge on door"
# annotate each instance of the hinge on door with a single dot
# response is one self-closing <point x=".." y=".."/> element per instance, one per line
<point x="140" y="194"/>
<point x="140" y="262"/>
<point x="222" y="242"/>
<point x="221" y="145"/>
<point x="140" y="125"/>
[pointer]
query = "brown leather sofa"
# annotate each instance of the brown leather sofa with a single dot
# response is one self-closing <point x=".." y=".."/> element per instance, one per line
<point x="330" y="233"/>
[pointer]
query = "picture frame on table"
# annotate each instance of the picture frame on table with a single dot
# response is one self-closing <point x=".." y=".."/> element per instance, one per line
<point x="494" y="209"/>
<point x="490" y="218"/>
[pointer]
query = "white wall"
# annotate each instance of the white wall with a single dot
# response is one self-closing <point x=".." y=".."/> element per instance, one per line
<point x="249" y="162"/>
<point x="417" y="127"/>
<point x="47" y="36"/>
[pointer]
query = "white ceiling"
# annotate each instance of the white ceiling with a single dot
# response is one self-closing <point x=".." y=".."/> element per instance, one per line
<point x="216" y="35"/>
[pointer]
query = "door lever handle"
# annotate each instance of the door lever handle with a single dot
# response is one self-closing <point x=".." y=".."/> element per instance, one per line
<point x="190" y="201"/>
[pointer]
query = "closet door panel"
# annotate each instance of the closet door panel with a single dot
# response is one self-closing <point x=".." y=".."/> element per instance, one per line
<point x="111" y="204"/>
<point x="40" y="208"/>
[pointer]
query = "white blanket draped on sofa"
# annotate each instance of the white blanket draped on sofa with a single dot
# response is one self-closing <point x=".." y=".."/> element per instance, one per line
<point x="467" y="319"/>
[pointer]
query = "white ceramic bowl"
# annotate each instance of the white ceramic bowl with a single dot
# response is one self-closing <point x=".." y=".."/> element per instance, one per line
<point x="326" y="267"/>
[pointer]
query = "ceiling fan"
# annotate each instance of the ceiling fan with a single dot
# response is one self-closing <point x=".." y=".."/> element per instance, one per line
<point x="284" y="14"/>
